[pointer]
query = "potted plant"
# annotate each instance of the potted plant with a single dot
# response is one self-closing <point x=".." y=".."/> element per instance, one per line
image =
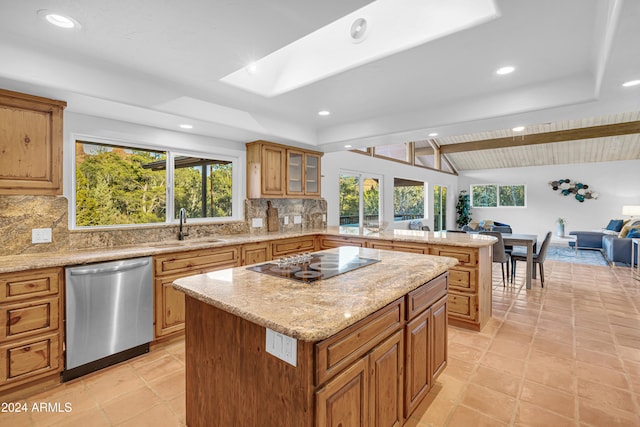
<point x="560" y="228"/>
<point x="463" y="209"/>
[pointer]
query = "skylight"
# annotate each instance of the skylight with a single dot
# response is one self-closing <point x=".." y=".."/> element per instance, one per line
<point x="377" y="30"/>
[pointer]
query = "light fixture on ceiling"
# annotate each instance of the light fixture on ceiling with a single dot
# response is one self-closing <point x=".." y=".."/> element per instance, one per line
<point x="505" y="70"/>
<point x="347" y="146"/>
<point x="252" y="68"/>
<point x="631" y="83"/>
<point x="358" y="30"/>
<point x="518" y="129"/>
<point x="59" y="20"/>
<point x="433" y="134"/>
<point x="186" y="126"/>
<point x="324" y="113"/>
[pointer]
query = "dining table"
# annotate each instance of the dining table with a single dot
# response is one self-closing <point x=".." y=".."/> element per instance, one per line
<point x="530" y="241"/>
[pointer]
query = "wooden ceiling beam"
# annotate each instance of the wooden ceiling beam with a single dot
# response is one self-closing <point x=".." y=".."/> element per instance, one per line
<point x="602" y="131"/>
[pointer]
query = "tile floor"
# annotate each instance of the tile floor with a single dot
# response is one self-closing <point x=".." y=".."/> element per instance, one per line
<point x="565" y="355"/>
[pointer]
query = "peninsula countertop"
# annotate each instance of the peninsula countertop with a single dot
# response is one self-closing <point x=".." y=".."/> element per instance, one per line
<point x="12" y="263"/>
<point x="315" y="311"/>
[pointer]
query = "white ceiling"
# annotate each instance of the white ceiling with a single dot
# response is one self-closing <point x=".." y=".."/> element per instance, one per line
<point x="158" y="62"/>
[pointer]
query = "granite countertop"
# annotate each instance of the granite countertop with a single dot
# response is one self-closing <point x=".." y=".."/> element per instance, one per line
<point x="11" y="263"/>
<point x="315" y="311"/>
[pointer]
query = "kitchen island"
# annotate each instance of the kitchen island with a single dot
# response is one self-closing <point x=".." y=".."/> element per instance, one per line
<point x="357" y="348"/>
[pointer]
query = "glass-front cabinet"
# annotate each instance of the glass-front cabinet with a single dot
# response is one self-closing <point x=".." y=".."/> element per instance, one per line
<point x="303" y="173"/>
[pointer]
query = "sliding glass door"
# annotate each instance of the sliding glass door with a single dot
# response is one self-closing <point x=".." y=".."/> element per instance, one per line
<point x="360" y="200"/>
<point x="439" y="208"/>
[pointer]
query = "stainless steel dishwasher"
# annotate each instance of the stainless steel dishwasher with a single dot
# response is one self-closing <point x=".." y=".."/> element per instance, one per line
<point x="109" y="314"/>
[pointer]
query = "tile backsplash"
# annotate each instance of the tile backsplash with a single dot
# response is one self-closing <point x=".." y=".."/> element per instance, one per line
<point x="20" y="214"/>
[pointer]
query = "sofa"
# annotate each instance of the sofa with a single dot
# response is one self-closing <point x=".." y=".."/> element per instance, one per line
<point x="614" y="240"/>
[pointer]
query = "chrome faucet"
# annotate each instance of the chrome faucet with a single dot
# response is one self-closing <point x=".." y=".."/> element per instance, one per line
<point x="183" y="220"/>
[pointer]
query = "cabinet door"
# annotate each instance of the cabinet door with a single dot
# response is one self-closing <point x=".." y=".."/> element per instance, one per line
<point x="169" y="304"/>
<point x="253" y="253"/>
<point x="344" y="401"/>
<point x="418" y="361"/>
<point x="31" y="144"/>
<point x="386" y="382"/>
<point x="439" y="342"/>
<point x="295" y="170"/>
<point x="273" y="170"/>
<point x="29" y="358"/>
<point x="312" y="175"/>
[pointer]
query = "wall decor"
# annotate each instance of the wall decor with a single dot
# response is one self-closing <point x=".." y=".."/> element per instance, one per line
<point x="579" y="190"/>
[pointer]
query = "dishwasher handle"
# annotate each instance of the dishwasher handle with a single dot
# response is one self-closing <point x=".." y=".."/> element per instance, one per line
<point x="114" y="269"/>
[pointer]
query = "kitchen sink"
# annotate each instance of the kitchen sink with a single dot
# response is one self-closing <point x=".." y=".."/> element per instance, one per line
<point x="187" y="242"/>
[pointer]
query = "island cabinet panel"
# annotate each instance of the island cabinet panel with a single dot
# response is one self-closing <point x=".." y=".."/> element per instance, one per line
<point x="169" y="304"/>
<point x="344" y="401"/>
<point x="293" y="245"/>
<point x="232" y="381"/>
<point x="31" y="335"/>
<point x="426" y="340"/>
<point x="386" y="366"/>
<point x="253" y="253"/>
<point x="394" y="245"/>
<point x="328" y="242"/>
<point x="31" y="144"/>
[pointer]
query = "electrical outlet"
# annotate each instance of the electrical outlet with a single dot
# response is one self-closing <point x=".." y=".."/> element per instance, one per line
<point x="282" y="346"/>
<point x="324" y="217"/>
<point x="286" y="220"/>
<point x="256" y="222"/>
<point x="41" y="235"/>
<point x="297" y="219"/>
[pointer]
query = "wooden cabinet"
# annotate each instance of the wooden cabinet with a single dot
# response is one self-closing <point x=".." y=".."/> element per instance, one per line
<point x="31" y="144"/>
<point x="253" y="253"/>
<point x="426" y="340"/>
<point x="328" y="242"/>
<point x="278" y="171"/>
<point x="470" y="298"/>
<point x="293" y="245"/>
<point x="31" y="336"/>
<point x="169" y="303"/>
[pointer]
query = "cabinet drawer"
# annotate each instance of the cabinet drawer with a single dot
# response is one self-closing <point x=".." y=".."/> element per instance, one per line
<point x="200" y="259"/>
<point x="27" y="358"/>
<point x="29" y="318"/>
<point x="420" y="299"/>
<point x="328" y="242"/>
<point x="462" y="306"/>
<point x="463" y="279"/>
<point x="337" y="352"/>
<point x="293" y="246"/>
<point x="399" y="246"/>
<point x="30" y="284"/>
<point x="464" y="256"/>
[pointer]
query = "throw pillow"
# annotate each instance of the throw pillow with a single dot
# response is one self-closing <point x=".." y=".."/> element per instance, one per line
<point x="473" y="225"/>
<point x="487" y="224"/>
<point x="634" y="233"/>
<point x="615" y="225"/>
<point x="625" y="230"/>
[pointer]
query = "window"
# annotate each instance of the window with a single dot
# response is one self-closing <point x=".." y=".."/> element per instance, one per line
<point x="119" y="185"/>
<point x="408" y="199"/>
<point x="359" y="200"/>
<point x="439" y="208"/>
<point x="398" y="152"/>
<point x="491" y="196"/>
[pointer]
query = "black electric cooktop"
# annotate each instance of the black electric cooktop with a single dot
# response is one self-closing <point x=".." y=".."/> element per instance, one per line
<point x="310" y="268"/>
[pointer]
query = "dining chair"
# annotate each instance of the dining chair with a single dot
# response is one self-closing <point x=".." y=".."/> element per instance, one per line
<point x="499" y="253"/>
<point x="538" y="258"/>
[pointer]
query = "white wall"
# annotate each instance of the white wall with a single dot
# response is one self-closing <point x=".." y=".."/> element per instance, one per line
<point x="333" y="163"/>
<point x="617" y="182"/>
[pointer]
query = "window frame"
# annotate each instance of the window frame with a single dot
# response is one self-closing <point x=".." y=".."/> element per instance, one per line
<point x="236" y="187"/>
<point x="497" y="187"/>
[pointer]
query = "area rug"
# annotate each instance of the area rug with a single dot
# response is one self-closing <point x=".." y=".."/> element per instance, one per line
<point x="584" y="256"/>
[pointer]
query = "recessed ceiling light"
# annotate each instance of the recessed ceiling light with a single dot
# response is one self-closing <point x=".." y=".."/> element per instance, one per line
<point x="59" y="20"/>
<point x="186" y="126"/>
<point x="631" y="83"/>
<point x="347" y="146"/>
<point x="505" y="70"/>
<point x="252" y="68"/>
<point x="518" y="129"/>
<point x="323" y="113"/>
<point x="358" y="30"/>
<point x="433" y="134"/>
